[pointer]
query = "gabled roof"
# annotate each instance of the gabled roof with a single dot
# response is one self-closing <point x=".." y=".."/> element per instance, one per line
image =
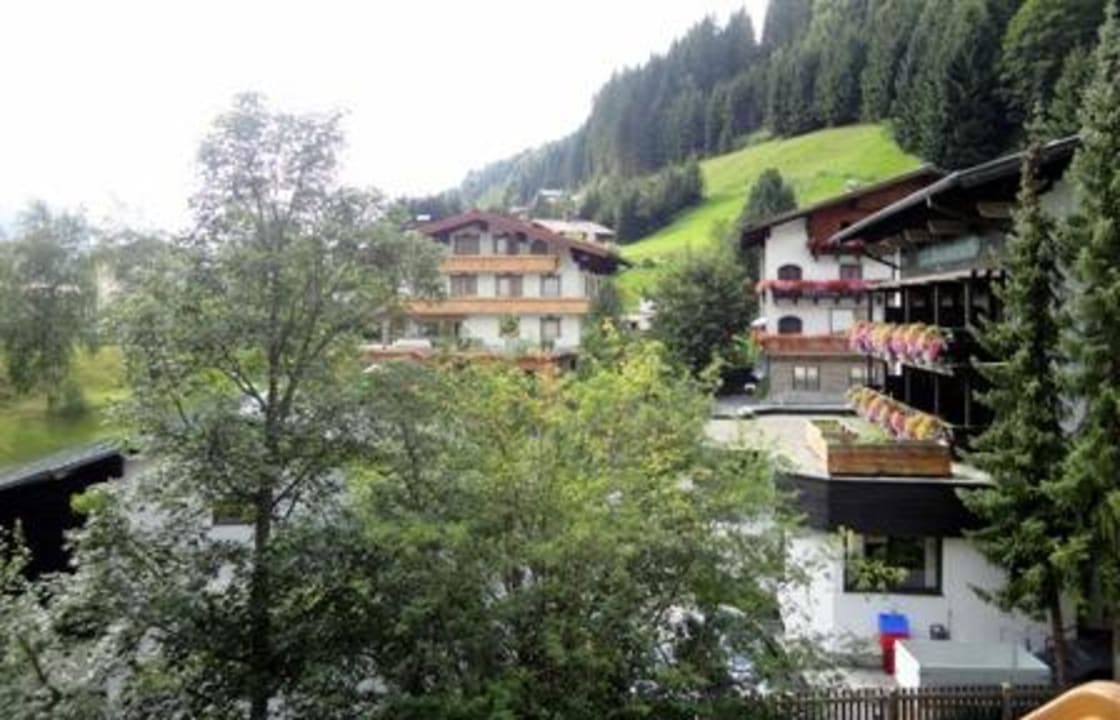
<point x="759" y="230"/>
<point x="1005" y="170"/>
<point x="516" y="226"/>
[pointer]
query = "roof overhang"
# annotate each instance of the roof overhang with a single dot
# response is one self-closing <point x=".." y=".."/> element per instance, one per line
<point x="597" y="255"/>
<point x="758" y="232"/>
<point x="977" y="197"/>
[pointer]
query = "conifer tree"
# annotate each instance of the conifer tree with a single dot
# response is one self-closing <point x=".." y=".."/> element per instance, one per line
<point x="1039" y="37"/>
<point x="1024" y="448"/>
<point x="769" y="196"/>
<point x="1090" y="487"/>
<point x="1065" y="107"/>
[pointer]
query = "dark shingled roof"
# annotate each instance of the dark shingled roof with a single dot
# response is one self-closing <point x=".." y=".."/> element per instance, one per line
<point x="56" y="466"/>
<point x="1056" y="156"/>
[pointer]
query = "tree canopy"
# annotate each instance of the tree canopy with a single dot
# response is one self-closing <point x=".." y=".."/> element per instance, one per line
<point x="48" y="293"/>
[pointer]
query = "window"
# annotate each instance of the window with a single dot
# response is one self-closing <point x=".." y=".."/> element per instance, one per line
<point x="550" y="286"/>
<point x="538" y="247"/>
<point x="917" y="561"/>
<point x="857" y="375"/>
<point x="466" y="245"/>
<point x="789" y="272"/>
<point x="851" y="271"/>
<point x="464" y="285"/>
<point x="550" y="330"/>
<point x="840" y="319"/>
<point x="509" y="286"/>
<point x="591" y="285"/>
<point x="506" y="245"/>
<point x="806" y="377"/>
<point x="789" y="325"/>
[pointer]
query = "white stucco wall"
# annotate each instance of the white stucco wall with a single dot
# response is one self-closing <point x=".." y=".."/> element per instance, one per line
<point x="844" y="620"/>
<point x="788" y="244"/>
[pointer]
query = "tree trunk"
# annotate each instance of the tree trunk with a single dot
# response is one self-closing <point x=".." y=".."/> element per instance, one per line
<point x="1057" y="631"/>
<point x="260" y="619"/>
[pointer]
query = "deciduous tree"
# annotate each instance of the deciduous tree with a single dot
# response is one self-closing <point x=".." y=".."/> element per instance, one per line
<point x="48" y="296"/>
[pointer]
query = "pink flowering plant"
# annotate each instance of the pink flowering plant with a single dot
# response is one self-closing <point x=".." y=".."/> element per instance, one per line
<point x="912" y="342"/>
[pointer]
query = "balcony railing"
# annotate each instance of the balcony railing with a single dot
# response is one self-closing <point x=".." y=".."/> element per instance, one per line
<point x="774" y="345"/>
<point x="461" y="306"/>
<point x="814" y="289"/>
<point x="929" y="347"/>
<point x="499" y="264"/>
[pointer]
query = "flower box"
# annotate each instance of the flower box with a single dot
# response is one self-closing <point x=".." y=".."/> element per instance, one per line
<point x="846" y="451"/>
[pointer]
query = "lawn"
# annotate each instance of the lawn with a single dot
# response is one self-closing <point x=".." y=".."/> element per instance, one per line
<point x="817" y="166"/>
<point x="27" y="432"/>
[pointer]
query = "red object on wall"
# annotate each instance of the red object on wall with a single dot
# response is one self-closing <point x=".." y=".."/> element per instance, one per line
<point x="886" y="643"/>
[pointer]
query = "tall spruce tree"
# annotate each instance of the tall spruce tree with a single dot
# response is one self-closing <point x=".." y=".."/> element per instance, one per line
<point x="1090" y="487"/>
<point x="1039" y="37"/>
<point x="1024" y="448"/>
<point x="1065" y="107"/>
<point x="890" y="26"/>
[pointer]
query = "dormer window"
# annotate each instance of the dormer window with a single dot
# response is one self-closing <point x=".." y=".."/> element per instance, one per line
<point x="789" y="272"/>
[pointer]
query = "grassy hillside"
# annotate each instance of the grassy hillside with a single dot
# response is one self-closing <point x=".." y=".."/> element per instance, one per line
<point x="27" y="432"/>
<point x="817" y="166"/>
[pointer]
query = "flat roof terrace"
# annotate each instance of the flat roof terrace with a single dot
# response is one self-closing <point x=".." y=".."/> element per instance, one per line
<point x="894" y="505"/>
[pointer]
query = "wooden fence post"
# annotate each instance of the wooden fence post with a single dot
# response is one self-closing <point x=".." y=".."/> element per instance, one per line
<point x="1005" y="700"/>
<point x="892" y="705"/>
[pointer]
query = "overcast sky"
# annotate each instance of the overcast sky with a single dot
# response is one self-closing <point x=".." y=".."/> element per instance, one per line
<point x="102" y="104"/>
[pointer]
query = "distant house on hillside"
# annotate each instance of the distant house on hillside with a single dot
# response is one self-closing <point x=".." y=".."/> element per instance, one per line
<point x="579" y="230"/>
<point x="509" y="283"/>
<point x="810" y="293"/>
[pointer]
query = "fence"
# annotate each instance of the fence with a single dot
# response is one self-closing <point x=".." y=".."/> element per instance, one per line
<point x="940" y="703"/>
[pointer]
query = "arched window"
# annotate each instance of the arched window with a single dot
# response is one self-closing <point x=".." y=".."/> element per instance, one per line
<point x="789" y="325"/>
<point x="789" y="272"/>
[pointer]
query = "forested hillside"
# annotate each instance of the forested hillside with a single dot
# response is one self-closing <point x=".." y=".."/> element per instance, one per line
<point x="816" y="166"/>
<point x="955" y="79"/>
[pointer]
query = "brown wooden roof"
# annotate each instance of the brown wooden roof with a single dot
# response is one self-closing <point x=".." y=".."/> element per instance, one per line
<point x="516" y="226"/>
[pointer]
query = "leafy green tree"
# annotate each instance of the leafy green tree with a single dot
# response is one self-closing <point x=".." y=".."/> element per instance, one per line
<point x="564" y="548"/>
<point x="701" y="305"/>
<point x="1024" y="448"/>
<point x="1039" y="38"/>
<point x="241" y="355"/>
<point x="49" y="300"/>
<point x="1090" y="488"/>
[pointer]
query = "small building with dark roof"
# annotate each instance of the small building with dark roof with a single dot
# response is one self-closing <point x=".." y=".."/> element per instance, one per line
<point x="37" y="496"/>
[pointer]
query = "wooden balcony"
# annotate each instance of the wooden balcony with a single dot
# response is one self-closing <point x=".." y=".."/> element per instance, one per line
<point x="801" y="345"/>
<point x="462" y="306"/>
<point x="516" y="264"/>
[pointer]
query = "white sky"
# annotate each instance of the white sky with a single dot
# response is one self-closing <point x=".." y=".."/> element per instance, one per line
<point x="103" y="103"/>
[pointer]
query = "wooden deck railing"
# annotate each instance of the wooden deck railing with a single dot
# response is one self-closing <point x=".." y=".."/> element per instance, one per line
<point x="994" y="702"/>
